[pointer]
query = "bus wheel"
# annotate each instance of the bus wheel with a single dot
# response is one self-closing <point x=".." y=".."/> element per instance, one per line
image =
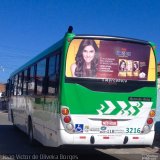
<point x="12" y="118"/>
<point x="30" y="132"/>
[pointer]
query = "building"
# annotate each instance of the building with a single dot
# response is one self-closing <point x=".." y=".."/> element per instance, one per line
<point x="2" y="88"/>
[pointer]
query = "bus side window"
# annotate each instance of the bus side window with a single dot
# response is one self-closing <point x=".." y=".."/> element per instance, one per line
<point x="40" y="76"/>
<point x="11" y="86"/>
<point x="53" y="74"/>
<point x="31" y="82"/>
<point x="57" y="71"/>
<point x="58" y="64"/>
<point x="20" y="84"/>
<point x="25" y="82"/>
<point x="15" y="84"/>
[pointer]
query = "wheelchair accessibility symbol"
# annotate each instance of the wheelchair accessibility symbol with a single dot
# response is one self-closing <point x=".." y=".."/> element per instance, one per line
<point x="79" y="128"/>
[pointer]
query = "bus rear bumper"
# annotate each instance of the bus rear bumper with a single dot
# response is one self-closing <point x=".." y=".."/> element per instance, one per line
<point x="105" y="140"/>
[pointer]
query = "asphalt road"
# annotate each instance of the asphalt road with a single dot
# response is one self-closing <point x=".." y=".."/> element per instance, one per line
<point x="14" y="144"/>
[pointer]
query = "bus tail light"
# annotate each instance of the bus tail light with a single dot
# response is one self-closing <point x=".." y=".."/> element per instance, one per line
<point x="152" y="113"/>
<point x="149" y="121"/>
<point x="69" y="126"/>
<point x="65" y="111"/>
<point x="146" y="129"/>
<point x="67" y="119"/>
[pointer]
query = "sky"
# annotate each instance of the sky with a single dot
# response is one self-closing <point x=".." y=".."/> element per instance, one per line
<point x="27" y="27"/>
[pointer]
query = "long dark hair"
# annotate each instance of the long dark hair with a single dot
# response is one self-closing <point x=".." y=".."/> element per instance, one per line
<point x="81" y="70"/>
<point x="137" y="66"/>
<point x="122" y="69"/>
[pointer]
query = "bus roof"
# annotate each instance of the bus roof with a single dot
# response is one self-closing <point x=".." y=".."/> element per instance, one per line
<point x="116" y="38"/>
<point x="59" y="44"/>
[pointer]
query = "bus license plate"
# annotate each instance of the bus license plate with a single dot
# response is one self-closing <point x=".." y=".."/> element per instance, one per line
<point x="109" y="122"/>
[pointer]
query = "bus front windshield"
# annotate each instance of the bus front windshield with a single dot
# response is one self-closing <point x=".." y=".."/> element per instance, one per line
<point x="109" y="59"/>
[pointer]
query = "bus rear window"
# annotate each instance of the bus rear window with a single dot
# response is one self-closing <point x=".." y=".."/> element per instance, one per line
<point x="106" y="59"/>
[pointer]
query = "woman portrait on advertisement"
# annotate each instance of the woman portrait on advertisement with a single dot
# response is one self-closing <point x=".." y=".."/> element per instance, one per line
<point x="86" y="59"/>
<point x="136" y="66"/>
<point x="122" y="66"/>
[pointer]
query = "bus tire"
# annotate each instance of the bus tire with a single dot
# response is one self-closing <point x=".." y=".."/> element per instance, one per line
<point x="12" y="118"/>
<point x="30" y="131"/>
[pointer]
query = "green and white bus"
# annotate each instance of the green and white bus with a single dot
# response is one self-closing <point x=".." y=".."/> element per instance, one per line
<point x="87" y="90"/>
